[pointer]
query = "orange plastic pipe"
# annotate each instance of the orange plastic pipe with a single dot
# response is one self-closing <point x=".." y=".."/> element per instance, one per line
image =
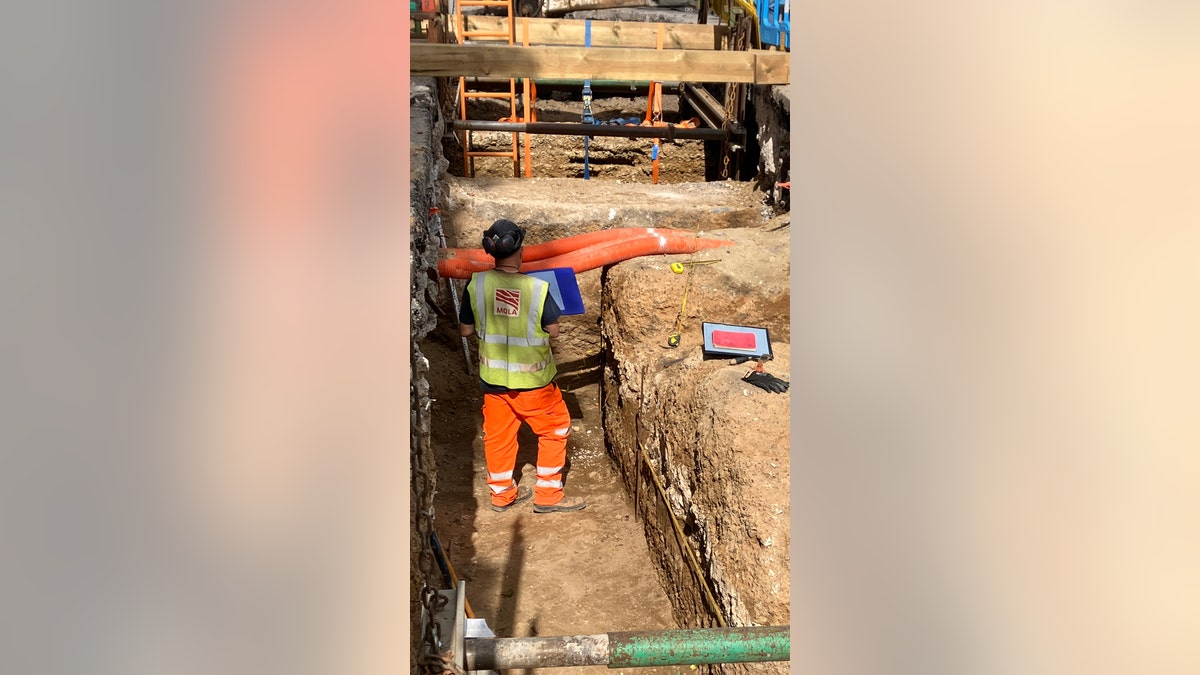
<point x="588" y="257"/>
<point x="550" y="249"/>
<point x="591" y="257"/>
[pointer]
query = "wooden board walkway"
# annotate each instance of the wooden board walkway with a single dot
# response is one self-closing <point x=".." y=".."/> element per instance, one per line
<point x="608" y="63"/>
<point x="604" y="33"/>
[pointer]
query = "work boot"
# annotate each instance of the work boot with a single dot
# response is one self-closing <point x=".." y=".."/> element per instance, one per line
<point x="564" y="504"/>
<point x="523" y="493"/>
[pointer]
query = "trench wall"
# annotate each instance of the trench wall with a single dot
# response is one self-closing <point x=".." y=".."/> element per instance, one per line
<point x="425" y="170"/>
<point x="717" y="446"/>
<point x="720" y="446"/>
<point x="772" y="111"/>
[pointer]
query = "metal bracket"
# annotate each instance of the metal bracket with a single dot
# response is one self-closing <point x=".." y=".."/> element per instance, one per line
<point x="451" y="620"/>
<point x="737" y="137"/>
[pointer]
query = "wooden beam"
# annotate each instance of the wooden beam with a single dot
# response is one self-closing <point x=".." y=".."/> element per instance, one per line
<point x="608" y="63"/>
<point x="604" y="33"/>
<point x="772" y="70"/>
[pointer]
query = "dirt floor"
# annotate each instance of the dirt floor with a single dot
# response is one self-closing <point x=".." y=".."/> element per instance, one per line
<point x="542" y="574"/>
<point x="557" y="574"/>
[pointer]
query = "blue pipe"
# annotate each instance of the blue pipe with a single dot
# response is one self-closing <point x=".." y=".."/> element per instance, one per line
<point x="587" y="103"/>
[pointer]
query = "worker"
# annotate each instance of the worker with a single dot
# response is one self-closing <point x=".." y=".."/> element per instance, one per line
<point x="515" y="316"/>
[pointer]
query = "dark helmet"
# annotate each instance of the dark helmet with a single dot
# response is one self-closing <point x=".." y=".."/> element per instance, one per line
<point x="503" y="239"/>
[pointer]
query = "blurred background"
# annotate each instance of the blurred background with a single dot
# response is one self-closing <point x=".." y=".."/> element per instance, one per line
<point x="994" y="319"/>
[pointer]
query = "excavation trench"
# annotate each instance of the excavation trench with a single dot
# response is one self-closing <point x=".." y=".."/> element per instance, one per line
<point x="657" y="434"/>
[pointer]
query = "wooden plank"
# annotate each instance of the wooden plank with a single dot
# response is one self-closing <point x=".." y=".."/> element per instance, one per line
<point x="605" y="33"/>
<point x="608" y="63"/>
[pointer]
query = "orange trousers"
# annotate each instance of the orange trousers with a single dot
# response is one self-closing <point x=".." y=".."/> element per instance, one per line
<point x="546" y="413"/>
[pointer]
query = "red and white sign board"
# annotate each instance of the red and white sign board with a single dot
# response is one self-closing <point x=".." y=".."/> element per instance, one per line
<point x="721" y="339"/>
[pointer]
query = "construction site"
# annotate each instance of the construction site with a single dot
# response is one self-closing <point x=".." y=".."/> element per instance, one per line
<point x="643" y="149"/>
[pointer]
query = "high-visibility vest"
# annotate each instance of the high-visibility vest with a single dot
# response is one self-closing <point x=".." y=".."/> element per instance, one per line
<point x="514" y="349"/>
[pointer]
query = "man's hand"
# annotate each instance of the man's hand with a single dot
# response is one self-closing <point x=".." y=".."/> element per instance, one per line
<point x="552" y="329"/>
<point x="466" y="329"/>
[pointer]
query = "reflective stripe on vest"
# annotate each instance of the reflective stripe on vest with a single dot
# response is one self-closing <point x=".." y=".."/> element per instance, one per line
<point x="497" y="364"/>
<point x="520" y="342"/>
<point x="514" y="349"/>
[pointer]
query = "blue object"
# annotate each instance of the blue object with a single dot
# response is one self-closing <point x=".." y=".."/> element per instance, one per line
<point x="587" y="103"/>
<point x="586" y="174"/>
<point x="563" y="288"/>
<point x="774" y="22"/>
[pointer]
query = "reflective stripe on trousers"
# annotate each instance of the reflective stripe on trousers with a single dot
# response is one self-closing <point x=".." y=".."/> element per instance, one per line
<point x="546" y="414"/>
<point x="550" y="477"/>
<point x="499" y="482"/>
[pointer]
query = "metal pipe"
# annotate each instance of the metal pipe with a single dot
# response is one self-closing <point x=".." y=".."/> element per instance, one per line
<point x="436" y="214"/>
<point x="482" y="81"/>
<point x="541" y="652"/>
<point x="633" y="649"/>
<point x="669" y="132"/>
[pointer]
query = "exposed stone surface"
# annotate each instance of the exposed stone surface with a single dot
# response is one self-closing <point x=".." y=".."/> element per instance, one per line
<point x="551" y="208"/>
<point x="772" y="109"/>
<point x="425" y="177"/>
<point x="425" y="170"/>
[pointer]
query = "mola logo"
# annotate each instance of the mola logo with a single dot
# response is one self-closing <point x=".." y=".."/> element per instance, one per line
<point x="507" y="302"/>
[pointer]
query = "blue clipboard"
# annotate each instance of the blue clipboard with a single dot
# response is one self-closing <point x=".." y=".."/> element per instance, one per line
<point x="563" y="288"/>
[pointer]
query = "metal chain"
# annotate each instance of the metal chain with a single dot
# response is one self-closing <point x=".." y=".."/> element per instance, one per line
<point x="734" y="93"/>
<point x="429" y="659"/>
<point x="440" y="664"/>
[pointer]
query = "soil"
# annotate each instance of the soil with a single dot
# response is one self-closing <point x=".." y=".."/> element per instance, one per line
<point x="593" y="571"/>
<point x="609" y="158"/>
<point x="530" y="574"/>
<point x="718" y="445"/>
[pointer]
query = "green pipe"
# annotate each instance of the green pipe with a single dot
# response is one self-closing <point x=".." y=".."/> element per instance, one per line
<point x="701" y="646"/>
<point x="633" y="650"/>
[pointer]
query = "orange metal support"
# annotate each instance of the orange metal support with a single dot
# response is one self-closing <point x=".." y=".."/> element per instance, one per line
<point x="654" y="112"/>
<point x="463" y="35"/>
<point x="530" y="109"/>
